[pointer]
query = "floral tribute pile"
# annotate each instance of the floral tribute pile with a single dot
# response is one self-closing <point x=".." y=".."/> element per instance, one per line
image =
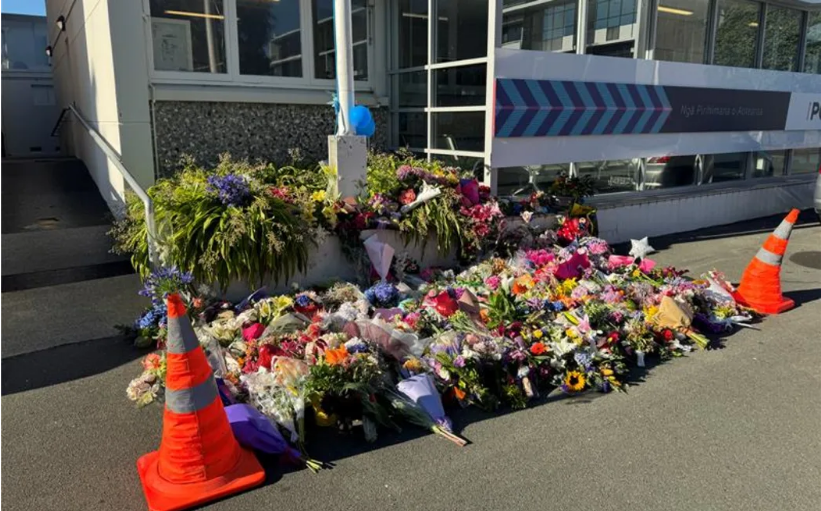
<point x="563" y="315"/>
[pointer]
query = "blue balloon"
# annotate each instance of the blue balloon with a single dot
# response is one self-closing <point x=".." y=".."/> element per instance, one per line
<point x="362" y="121"/>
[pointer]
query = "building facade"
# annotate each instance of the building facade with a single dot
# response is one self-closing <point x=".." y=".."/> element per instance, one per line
<point x="29" y="105"/>
<point x="681" y="106"/>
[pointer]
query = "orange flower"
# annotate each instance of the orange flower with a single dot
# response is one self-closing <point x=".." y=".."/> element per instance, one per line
<point x="335" y="357"/>
<point x="538" y="348"/>
<point x="522" y="284"/>
<point x="483" y="314"/>
<point x="459" y="393"/>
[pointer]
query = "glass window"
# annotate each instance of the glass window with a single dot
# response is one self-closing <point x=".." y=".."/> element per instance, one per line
<point x="412" y="42"/>
<point x="471" y="164"/>
<point x="24" y="44"/>
<point x="611" y="176"/>
<point x="682" y="30"/>
<point x="270" y="39"/>
<point x="459" y="131"/>
<point x="324" y="53"/>
<point x="519" y="181"/>
<point x="188" y="35"/>
<point x="535" y="25"/>
<point x="782" y="38"/>
<point x="461" y="30"/>
<point x="413" y="131"/>
<point x="812" y="54"/>
<point x="611" y="27"/>
<point x="411" y="89"/>
<point x="737" y="33"/>
<point x="769" y="163"/>
<point x="460" y="86"/>
<point x="805" y="161"/>
<point x="701" y="169"/>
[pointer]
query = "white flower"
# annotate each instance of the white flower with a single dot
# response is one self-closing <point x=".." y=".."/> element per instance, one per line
<point x="527" y="216"/>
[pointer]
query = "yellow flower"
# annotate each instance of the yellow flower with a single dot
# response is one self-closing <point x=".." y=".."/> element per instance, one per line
<point x="574" y="381"/>
<point x="607" y="372"/>
<point x="636" y="273"/>
<point x="569" y="285"/>
<point x="318" y="196"/>
<point x="413" y="365"/>
<point x="537" y="334"/>
<point x="650" y="312"/>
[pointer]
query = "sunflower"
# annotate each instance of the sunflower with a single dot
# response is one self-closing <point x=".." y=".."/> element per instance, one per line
<point x="574" y="381"/>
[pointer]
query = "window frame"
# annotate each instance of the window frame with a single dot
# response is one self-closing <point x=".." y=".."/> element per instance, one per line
<point x="233" y="77"/>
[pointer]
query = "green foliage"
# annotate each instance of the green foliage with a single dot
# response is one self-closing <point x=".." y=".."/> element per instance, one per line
<point x="268" y="236"/>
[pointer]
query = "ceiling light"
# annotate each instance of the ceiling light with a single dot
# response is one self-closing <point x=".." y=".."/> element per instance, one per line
<point x="671" y="10"/>
<point x="196" y="15"/>
<point x="61" y="23"/>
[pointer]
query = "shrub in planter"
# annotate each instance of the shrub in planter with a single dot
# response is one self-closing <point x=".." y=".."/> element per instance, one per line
<point x="238" y="221"/>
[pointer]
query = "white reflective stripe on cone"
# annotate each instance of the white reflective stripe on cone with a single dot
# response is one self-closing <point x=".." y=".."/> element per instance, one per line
<point x="193" y="399"/>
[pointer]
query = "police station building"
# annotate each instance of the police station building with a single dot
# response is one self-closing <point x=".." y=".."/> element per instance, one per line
<point x="687" y="113"/>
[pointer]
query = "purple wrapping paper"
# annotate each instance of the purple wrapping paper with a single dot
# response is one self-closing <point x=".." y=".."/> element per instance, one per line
<point x="254" y="430"/>
<point x="421" y="390"/>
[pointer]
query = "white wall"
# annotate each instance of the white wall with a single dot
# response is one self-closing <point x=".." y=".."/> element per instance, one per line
<point x="660" y="215"/>
<point x="97" y="66"/>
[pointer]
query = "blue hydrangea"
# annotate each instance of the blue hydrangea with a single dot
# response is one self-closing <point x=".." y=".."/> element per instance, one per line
<point x="583" y="359"/>
<point x="557" y="306"/>
<point x="302" y="301"/>
<point x="232" y="189"/>
<point x="153" y="317"/>
<point x="382" y="294"/>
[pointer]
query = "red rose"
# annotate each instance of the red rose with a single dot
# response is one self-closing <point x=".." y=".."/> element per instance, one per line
<point x="668" y="335"/>
<point x="445" y="305"/>
<point x="266" y="355"/>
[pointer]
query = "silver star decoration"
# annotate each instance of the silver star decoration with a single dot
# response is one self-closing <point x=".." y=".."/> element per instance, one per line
<point x="640" y="248"/>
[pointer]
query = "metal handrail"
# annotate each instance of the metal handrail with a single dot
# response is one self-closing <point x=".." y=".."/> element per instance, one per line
<point x="59" y="122"/>
<point x="112" y="155"/>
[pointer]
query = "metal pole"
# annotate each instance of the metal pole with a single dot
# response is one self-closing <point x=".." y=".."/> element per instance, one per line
<point x="343" y="37"/>
<point x="209" y="37"/>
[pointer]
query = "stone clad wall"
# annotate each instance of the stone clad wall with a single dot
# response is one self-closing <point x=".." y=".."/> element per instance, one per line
<point x="264" y="131"/>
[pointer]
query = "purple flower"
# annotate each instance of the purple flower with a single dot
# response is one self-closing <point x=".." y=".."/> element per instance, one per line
<point x="163" y="281"/>
<point x="232" y="190"/>
<point x="382" y="294"/>
<point x="459" y="361"/>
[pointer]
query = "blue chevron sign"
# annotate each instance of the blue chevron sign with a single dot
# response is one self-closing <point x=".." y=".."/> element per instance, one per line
<point x="550" y="108"/>
<point x="539" y="108"/>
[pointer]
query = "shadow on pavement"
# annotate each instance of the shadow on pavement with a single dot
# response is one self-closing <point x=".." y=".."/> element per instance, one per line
<point x="803" y="296"/>
<point x="65" y="363"/>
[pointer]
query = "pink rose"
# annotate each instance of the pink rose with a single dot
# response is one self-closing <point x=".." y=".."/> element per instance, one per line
<point x="253" y="332"/>
<point x="493" y="282"/>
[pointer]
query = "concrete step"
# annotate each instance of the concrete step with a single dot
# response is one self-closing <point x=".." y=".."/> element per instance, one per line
<point x="45" y="317"/>
<point x="36" y="251"/>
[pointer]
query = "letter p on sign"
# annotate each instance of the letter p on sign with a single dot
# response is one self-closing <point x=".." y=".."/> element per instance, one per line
<point x="815" y="110"/>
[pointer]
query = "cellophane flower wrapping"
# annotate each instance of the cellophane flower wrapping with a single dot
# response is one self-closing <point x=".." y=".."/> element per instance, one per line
<point x="421" y="390"/>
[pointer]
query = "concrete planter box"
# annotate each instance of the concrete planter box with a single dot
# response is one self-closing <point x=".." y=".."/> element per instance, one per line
<point x="328" y="263"/>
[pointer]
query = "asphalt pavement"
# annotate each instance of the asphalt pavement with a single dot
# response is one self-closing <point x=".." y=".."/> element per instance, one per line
<point x="735" y="428"/>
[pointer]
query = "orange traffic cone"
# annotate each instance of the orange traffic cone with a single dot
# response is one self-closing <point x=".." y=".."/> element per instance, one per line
<point x="199" y="459"/>
<point x="760" y="287"/>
